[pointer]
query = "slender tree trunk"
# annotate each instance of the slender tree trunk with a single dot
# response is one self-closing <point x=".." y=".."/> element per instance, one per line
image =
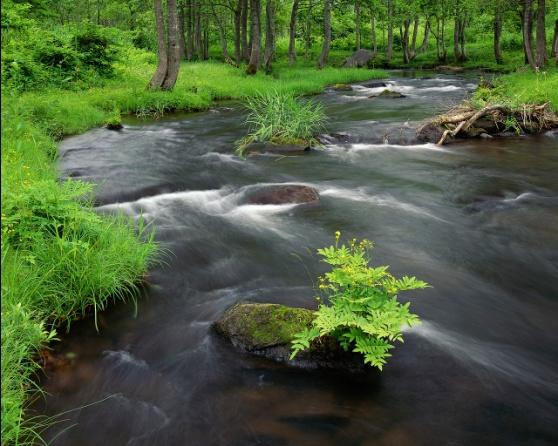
<point x="527" y="27"/>
<point x="462" y="39"/>
<point x="222" y="34"/>
<point x="498" y="21"/>
<point x="199" y="35"/>
<point x="541" y="34"/>
<point x="162" y="60"/>
<point x="292" y="33"/>
<point x="254" y="62"/>
<point x="189" y="32"/>
<point x="244" y="30"/>
<point x="308" y="30"/>
<point x="555" y="41"/>
<point x="424" y="45"/>
<point x="327" y="35"/>
<point x="269" y="35"/>
<point x="456" y="32"/>
<point x="358" y="28"/>
<point x="389" y="50"/>
<point x="373" y="32"/>
<point x="174" y="47"/>
<point x="405" y="40"/>
<point x="237" y="45"/>
<point x="414" y="38"/>
<point x="181" y="41"/>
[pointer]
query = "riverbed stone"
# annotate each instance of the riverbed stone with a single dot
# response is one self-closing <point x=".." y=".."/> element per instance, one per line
<point x="430" y="132"/>
<point x="360" y="58"/>
<point x="342" y="87"/>
<point x="388" y="94"/>
<point x="267" y="330"/>
<point x="374" y="84"/>
<point x="283" y="194"/>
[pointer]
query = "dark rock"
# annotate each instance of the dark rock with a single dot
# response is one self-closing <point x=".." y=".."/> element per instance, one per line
<point x="283" y="194"/>
<point x="268" y="147"/>
<point x="334" y="138"/>
<point x="342" y="87"/>
<point x="430" y="133"/>
<point x="450" y="68"/>
<point x="114" y="126"/>
<point x="360" y="58"/>
<point x="388" y="94"/>
<point x="374" y="84"/>
<point x="268" y="329"/>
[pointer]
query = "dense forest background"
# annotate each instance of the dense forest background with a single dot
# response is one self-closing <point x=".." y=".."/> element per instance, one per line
<point x="62" y="43"/>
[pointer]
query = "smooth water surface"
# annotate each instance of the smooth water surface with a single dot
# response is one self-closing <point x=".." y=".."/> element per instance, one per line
<point x="478" y="220"/>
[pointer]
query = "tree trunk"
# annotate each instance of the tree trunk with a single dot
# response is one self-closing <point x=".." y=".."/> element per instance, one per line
<point x="308" y="31"/>
<point x="292" y="33"/>
<point x="373" y="32"/>
<point x="222" y="35"/>
<point x="389" y="50"/>
<point x="174" y="47"/>
<point x="541" y="34"/>
<point x="462" y="39"/>
<point x="206" y="38"/>
<point x="244" y="30"/>
<point x="181" y="41"/>
<point x="357" y="25"/>
<point x="162" y="60"/>
<point x="414" y="38"/>
<point x="269" y="35"/>
<point x="254" y="62"/>
<point x="456" y="32"/>
<point x="498" y="20"/>
<point x="189" y="31"/>
<point x="237" y="45"/>
<point x="527" y="27"/>
<point x="327" y="35"/>
<point x="405" y="41"/>
<point x="424" y="45"/>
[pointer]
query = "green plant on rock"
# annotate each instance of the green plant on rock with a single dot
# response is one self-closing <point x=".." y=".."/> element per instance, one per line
<point x="362" y="311"/>
<point x="281" y="118"/>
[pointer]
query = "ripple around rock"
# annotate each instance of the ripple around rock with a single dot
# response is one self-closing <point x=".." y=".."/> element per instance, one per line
<point x="267" y="330"/>
<point x="283" y="194"/>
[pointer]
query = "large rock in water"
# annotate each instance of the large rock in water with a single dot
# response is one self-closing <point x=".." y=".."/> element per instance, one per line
<point x="430" y="132"/>
<point x="360" y="58"/>
<point x="283" y="194"/>
<point x="268" y="329"/>
<point x="388" y="94"/>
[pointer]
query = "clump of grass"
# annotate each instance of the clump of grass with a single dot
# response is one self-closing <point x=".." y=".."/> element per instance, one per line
<point x="281" y="118"/>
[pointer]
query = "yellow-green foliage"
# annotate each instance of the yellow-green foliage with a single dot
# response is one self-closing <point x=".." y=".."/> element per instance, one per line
<point x="362" y="310"/>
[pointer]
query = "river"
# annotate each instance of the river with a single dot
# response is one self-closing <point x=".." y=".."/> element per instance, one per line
<point x="478" y="220"/>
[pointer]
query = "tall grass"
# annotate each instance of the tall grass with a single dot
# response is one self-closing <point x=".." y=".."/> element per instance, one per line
<point x="281" y="118"/>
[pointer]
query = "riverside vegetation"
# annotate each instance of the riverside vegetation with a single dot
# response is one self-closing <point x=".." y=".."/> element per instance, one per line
<point x="70" y="66"/>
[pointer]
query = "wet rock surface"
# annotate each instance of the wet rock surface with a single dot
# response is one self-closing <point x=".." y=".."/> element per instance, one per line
<point x="267" y="330"/>
<point x="283" y="194"/>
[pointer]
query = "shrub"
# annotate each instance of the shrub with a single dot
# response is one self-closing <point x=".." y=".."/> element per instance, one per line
<point x="281" y="118"/>
<point x="95" y="50"/>
<point x="362" y="312"/>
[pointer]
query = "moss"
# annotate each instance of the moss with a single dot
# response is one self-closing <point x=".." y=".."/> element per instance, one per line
<point x="257" y="326"/>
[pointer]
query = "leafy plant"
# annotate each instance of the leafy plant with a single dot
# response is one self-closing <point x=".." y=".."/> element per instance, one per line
<point x="362" y="311"/>
<point x="281" y="118"/>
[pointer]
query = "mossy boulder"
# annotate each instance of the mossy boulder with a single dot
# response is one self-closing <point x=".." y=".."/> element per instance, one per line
<point x="268" y="329"/>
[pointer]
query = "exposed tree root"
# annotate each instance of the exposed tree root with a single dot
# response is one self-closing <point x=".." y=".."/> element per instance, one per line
<point x="467" y="121"/>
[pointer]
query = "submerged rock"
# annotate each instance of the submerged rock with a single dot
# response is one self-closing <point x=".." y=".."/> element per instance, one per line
<point x="114" y="126"/>
<point x="335" y="138"/>
<point x="374" y="84"/>
<point x="388" y="94"/>
<point x="360" y="58"/>
<point x="342" y="87"/>
<point x="283" y="194"/>
<point x="288" y="149"/>
<point x="268" y="329"/>
<point x="450" y="68"/>
<point x="430" y="133"/>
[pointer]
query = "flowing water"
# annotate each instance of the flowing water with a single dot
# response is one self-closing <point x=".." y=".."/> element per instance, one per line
<point x="478" y="220"/>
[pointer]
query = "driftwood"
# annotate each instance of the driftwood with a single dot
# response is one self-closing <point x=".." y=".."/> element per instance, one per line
<point x="495" y="118"/>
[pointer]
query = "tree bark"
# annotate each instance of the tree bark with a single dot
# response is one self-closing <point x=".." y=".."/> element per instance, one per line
<point x="456" y="33"/>
<point x="541" y="34"/>
<point x="292" y="33"/>
<point x="174" y="47"/>
<point x="374" y="41"/>
<point x="237" y="45"/>
<point x="389" y="50"/>
<point x="269" y="36"/>
<point x="414" y="38"/>
<point x="255" y="27"/>
<point x="222" y="35"/>
<point x="405" y="41"/>
<point x="162" y="60"/>
<point x="498" y="20"/>
<point x="527" y="26"/>
<point x="357" y="25"/>
<point x="244" y="30"/>
<point x="181" y="41"/>
<point x="189" y="31"/>
<point x="424" y="45"/>
<point x="327" y="35"/>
